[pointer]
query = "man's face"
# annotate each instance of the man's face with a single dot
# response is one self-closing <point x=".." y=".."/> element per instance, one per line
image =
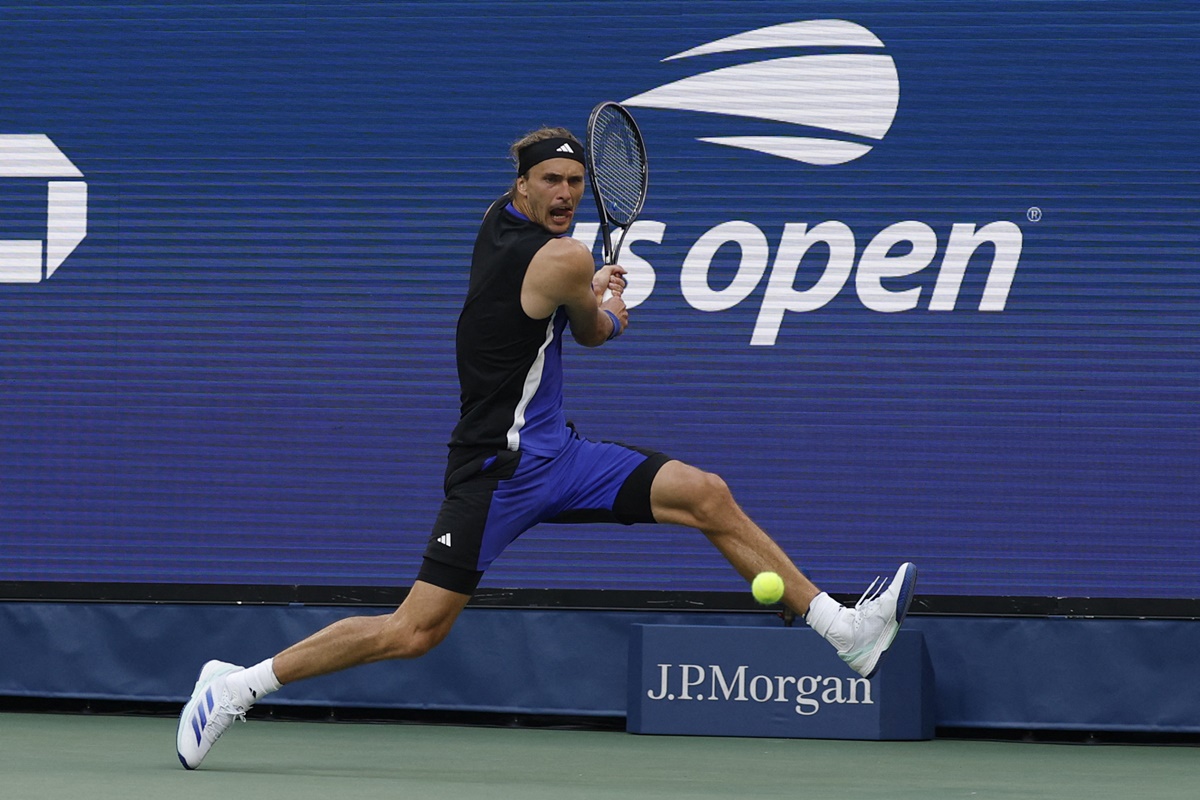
<point x="550" y="192"/>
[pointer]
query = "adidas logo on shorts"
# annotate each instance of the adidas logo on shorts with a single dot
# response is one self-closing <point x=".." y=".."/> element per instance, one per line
<point x="444" y="539"/>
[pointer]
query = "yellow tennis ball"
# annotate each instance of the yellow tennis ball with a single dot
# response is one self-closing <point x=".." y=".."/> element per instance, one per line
<point x="767" y="588"/>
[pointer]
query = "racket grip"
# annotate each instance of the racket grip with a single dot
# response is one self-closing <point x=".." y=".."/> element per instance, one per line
<point x="608" y="292"/>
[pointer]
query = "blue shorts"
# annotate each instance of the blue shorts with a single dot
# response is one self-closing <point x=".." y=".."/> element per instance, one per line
<point x="492" y="498"/>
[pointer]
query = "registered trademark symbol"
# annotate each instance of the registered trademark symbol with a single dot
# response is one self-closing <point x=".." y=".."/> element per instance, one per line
<point x="1034" y="213"/>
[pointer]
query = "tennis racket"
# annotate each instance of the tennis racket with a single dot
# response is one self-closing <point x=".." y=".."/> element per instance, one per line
<point x="616" y="160"/>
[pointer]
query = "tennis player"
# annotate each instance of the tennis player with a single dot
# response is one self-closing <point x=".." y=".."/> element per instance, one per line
<point x="514" y="461"/>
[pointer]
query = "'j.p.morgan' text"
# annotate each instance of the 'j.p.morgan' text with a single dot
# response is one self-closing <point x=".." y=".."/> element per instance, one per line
<point x="709" y="682"/>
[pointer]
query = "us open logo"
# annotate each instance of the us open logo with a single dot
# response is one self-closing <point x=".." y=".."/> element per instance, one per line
<point x="851" y="96"/>
<point x="34" y="156"/>
<point x="836" y="100"/>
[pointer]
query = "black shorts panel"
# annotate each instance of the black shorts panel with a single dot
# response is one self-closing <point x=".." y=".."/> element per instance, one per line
<point x="457" y="533"/>
<point x="633" y="501"/>
<point x="449" y="577"/>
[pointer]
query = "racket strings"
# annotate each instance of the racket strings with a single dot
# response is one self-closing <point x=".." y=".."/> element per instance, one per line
<point x="618" y="167"/>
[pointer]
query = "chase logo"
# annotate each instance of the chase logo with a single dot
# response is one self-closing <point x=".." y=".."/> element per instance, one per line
<point x="851" y="96"/>
<point x="34" y="156"/>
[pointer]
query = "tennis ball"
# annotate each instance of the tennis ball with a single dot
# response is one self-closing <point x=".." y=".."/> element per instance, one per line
<point x="767" y="588"/>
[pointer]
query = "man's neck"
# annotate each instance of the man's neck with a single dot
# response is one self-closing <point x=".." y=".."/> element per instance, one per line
<point x="521" y="204"/>
<point x="516" y="209"/>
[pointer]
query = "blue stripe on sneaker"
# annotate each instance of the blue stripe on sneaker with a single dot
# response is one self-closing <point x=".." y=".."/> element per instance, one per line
<point x="196" y="728"/>
<point x="209" y="696"/>
<point x="202" y="716"/>
<point x="904" y="596"/>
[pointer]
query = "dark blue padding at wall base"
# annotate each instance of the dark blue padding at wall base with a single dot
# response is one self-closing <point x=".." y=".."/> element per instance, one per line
<point x="1065" y="674"/>
<point x="1050" y="674"/>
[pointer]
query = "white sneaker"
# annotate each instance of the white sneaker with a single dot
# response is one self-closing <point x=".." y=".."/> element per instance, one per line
<point x="207" y="715"/>
<point x="862" y="634"/>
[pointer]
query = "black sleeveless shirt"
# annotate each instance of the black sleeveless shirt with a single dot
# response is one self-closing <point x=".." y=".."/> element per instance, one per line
<point x="509" y="366"/>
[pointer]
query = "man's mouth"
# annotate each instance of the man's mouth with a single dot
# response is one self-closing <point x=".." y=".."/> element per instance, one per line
<point x="561" y="214"/>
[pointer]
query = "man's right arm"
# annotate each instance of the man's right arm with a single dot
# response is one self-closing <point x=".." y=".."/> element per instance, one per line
<point x="561" y="274"/>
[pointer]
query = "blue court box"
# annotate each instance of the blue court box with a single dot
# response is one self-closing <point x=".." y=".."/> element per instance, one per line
<point x="780" y="682"/>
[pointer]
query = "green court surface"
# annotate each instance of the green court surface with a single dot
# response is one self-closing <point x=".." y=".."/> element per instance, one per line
<point x="96" y="757"/>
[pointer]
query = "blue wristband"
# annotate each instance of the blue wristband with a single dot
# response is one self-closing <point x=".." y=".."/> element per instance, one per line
<point x="616" y="331"/>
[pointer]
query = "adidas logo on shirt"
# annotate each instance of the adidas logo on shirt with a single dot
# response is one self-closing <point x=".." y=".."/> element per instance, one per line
<point x="444" y="539"/>
<point x="564" y="148"/>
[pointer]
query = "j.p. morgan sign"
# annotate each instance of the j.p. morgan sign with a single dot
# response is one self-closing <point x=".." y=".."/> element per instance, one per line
<point x="781" y="682"/>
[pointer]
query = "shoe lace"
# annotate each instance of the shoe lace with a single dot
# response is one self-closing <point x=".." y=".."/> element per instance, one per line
<point x="220" y="722"/>
<point x="871" y="595"/>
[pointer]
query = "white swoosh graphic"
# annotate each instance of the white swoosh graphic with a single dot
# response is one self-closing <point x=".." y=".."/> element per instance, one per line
<point x="846" y="93"/>
<point x="821" y="152"/>
<point x="855" y="94"/>
<point x="809" y="33"/>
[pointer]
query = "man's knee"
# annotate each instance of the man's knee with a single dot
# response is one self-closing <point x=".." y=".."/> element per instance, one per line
<point x="693" y="497"/>
<point x="400" y="638"/>
<point x="713" y="499"/>
<point x="421" y="622"/>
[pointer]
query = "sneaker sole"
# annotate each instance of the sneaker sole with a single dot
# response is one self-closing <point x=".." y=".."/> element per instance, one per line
<point x="904" y="599"/>
<point x="208" y="673"/>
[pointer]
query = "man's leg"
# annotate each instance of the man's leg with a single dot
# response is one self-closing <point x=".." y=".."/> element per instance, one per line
<point x="420" y="623"/>
<point x="224" y="691"/>
<point x="684" y="495"/>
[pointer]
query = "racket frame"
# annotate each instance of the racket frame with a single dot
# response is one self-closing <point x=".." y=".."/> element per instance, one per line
<point x="606" y="222"/>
